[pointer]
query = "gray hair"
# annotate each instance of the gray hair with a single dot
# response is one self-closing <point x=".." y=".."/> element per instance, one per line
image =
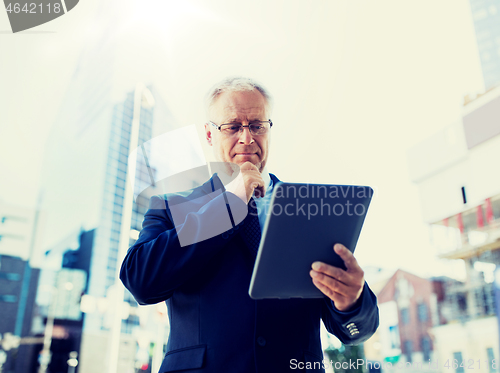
<point x="236" y="84"/>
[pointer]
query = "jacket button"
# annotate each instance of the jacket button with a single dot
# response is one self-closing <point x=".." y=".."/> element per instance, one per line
<point x="261" y="341"/>
<point x="225" y="235"/>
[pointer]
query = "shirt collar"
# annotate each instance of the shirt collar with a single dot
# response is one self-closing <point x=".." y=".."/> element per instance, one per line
<point x="267" y="178"/>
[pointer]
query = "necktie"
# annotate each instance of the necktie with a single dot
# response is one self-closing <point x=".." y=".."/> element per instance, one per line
<point x="251" y="227"/>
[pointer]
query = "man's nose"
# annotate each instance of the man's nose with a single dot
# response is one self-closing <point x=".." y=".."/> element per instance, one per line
<point x="245" y="137"/>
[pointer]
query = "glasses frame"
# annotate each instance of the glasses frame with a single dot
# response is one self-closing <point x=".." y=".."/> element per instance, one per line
<point x="242" y="126"/>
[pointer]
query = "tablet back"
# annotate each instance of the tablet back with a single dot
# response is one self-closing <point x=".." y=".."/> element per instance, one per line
<point x="303" y="223"/>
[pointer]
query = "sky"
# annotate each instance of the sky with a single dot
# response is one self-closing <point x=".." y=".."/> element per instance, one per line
<point x="354" y="85"/>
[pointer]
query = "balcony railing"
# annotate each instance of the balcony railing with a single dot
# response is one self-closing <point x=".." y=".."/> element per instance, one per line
<point x="451" y="244"/>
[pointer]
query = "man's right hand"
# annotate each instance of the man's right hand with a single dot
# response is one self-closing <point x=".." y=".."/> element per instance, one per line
<point x="252" y="178"/>
<point x="248" y="182"/>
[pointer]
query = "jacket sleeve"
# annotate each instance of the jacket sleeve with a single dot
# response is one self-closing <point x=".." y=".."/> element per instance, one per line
<point x="355" y="326"/>
<point x="157" y="263"/>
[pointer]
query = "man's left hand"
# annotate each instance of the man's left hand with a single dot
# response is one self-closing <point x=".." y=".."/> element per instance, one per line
<point x="343" y="287"/>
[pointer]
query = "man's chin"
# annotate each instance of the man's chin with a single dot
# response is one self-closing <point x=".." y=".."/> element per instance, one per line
<point x="252" y="161"/>
<point x="235" y="164"/>
<point x="242" y="158"/>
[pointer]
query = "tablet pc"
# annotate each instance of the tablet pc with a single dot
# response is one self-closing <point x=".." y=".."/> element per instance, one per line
<point x="304" y="221"/>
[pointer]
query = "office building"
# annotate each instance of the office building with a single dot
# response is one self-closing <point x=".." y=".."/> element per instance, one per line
<point x="455" y="171"/>
<point x="486" y="19"/>
<point x="19" y="237"/>
<point x="20" y="230"/>
<point x="18" y="285"/>
<point x="408" y="310"/>
<point x="83" y="191"/>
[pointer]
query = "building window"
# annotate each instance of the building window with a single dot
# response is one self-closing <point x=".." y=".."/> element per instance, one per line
<point x="8" y="298"/>
<point x="469" y="219"/>
<point x="480" y="14"/>
<point x="457" y="356"/>
<point x="394" y="337"/>
<point x="408" y="350"/>
<point x="426" y="348"/>
<point x="491" y="357"/>
<point x="405" y="316"/>
<point x="480" y="216"/>
<point x="422" y="312"/>
<point x="495" y="207"/>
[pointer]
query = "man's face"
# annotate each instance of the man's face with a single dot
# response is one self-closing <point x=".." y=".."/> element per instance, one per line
<point x="239" y="107"/>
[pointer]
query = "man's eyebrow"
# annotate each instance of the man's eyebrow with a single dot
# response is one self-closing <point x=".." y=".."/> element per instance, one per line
<point x="236" y="120"/>
<point x="232" y="120"/>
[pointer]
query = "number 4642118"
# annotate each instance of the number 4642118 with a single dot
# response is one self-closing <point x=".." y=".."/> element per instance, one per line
<point x="469" y="364"/>
<point x="33" y="8"/>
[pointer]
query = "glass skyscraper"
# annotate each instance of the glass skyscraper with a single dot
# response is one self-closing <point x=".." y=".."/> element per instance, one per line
<point x="90" y="196"/>
<point x="83" y="185"/>
<point x="486" y="18"/>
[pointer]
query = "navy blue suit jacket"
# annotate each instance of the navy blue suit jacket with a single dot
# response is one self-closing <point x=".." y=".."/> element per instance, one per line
<point x="215" y="325"/>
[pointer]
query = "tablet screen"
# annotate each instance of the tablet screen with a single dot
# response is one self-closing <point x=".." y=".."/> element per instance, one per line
<point x="304" y="221"/>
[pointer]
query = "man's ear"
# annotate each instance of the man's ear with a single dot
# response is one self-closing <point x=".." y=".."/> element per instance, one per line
<point x="208" y="134"/>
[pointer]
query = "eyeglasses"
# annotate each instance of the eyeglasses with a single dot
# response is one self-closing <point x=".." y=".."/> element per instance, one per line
<point x="257" y="128"/>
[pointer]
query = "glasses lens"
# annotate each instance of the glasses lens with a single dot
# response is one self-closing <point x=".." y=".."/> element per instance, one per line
<point x="259" y="128"/>
<point x="230" y="129"/>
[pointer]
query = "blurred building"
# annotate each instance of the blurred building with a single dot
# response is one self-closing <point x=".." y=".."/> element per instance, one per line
<point x="408" y="311"/>
<point x="58" y="301"/>
<point x="20" y="230"/>
<point x="451" y="300"/>
<point x="83" y="195"/>
<point x="83" y="183"/>
<point x="18" y="285"/>
<point x="486" y="19"/>
<point x="19" y="237"/>
<point x="85" y="171"/>
<point x="455" y="171"/>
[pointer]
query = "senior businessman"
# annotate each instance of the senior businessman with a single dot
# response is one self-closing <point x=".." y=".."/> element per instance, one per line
<point x="204" y="278"/>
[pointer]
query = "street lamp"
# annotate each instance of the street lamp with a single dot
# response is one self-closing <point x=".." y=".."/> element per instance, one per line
<point x="7" y="343"/>
<point x="72" y="361"/>
<point x="3" y="359"/>
<point x="45" y="354"/>
<point x="57" y="294"/>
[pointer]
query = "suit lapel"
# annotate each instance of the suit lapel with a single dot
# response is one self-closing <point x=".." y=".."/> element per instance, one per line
<point x="212" y="185"/>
